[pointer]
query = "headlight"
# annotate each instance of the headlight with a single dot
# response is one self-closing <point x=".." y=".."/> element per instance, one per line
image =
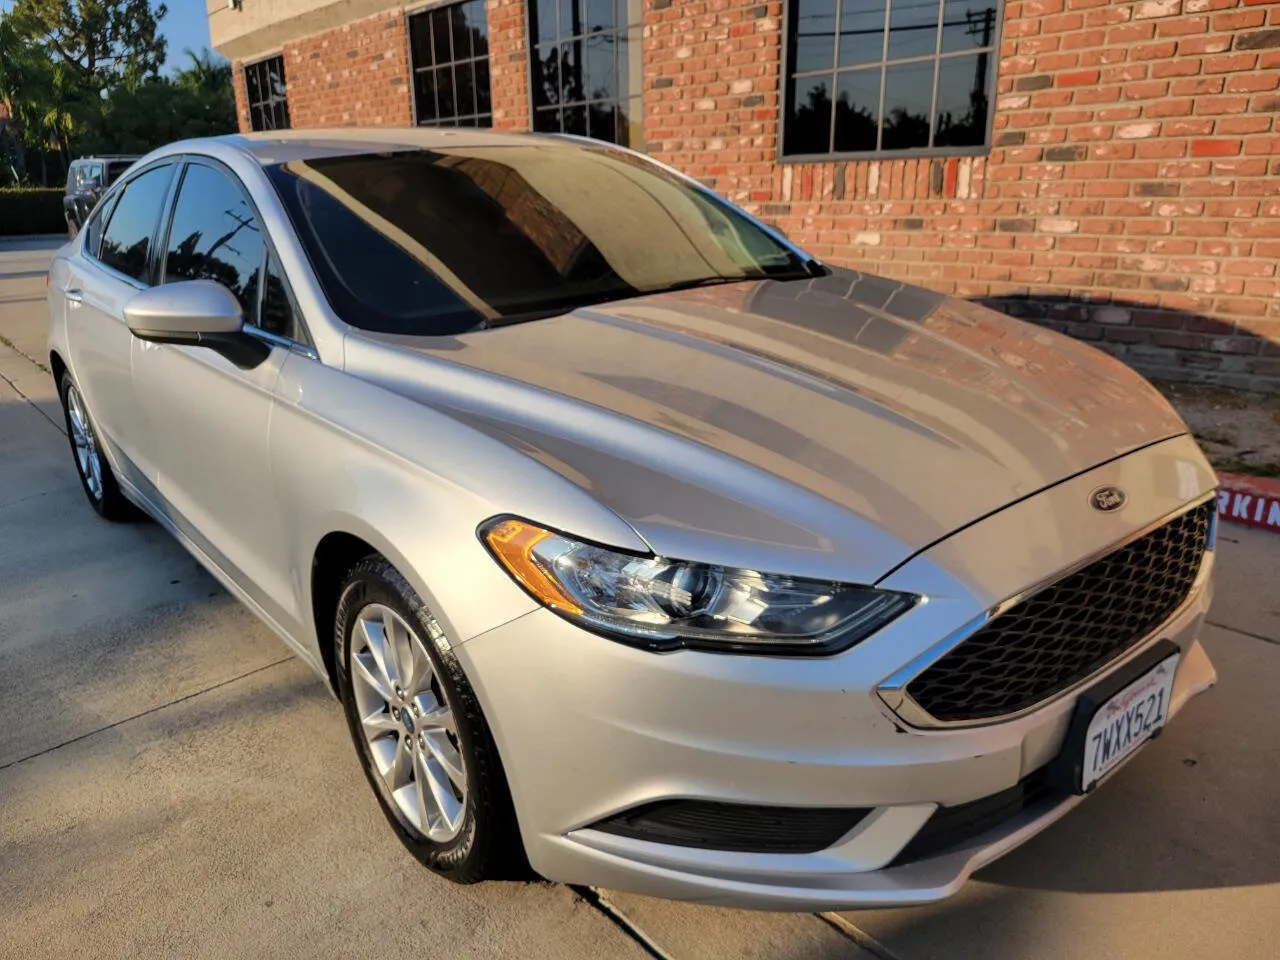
<point x="663" y="604"/>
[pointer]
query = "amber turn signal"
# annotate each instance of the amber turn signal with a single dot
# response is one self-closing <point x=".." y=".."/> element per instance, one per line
<point x="513" y="543"/>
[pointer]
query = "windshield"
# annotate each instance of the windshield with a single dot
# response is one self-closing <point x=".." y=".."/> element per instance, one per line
<point x="434" y="243"/>
<point x="85" y="175"/>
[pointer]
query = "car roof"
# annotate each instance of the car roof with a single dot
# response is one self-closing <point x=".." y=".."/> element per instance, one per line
<point x="96" y="158"/>
<point x="283" y="146"/>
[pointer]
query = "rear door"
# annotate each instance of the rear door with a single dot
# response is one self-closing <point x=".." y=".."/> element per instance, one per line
<point x="115" y="262"/>
<point x="208" y="420"/>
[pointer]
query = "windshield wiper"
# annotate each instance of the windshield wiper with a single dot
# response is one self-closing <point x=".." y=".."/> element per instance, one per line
<point x="746" y="278"/>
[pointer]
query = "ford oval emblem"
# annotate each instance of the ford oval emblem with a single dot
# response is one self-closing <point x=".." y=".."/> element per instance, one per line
<point x="1107" y="499"/>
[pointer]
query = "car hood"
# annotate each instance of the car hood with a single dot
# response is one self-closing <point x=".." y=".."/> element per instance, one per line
<point x="829" y="427"/>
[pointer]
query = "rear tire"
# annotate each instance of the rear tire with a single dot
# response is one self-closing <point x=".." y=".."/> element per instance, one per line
<point x="96" y="478"/>
<point x="417" y="726"/>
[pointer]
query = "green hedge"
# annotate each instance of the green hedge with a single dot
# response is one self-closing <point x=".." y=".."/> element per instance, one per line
<point x="25" y="210"/>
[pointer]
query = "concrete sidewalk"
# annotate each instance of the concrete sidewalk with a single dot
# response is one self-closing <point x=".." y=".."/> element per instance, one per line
<point x="173" y="783"/>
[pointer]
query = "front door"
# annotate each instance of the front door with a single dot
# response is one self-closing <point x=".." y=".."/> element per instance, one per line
<point x="207" y="447"/>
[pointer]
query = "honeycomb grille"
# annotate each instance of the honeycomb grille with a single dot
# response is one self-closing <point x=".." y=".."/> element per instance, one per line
<point x="1065" y="632"/>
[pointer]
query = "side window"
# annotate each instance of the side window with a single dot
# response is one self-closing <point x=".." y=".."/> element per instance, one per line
<point x="93" y="229"/>
<point x="215" y="236"/>
<point x="277" y="308"/>
<point x="126" y="242"/>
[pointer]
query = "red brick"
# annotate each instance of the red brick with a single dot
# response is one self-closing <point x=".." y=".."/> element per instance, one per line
<point x="1215" y="148"/>
<point x="1182" y="27"/>
<point x="1131" y="33"/>
<point x="1194" y="46"/>
<point x="1242" y="125"/>
<point x="1232" y="63"/>
<point x="1251" y="82"/>
<point x="1216" y="105"/>
<point x="1197" y="87"/>
<point x="1077" y="78"/>
<point x="1180" y="67"/>
<point x="1169" y="108"/>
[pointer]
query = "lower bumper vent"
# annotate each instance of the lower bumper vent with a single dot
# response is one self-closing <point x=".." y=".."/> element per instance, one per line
<point x="734" y="827"/>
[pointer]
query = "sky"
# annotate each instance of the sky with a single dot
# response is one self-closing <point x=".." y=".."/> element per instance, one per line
<point x="185" y="25"/>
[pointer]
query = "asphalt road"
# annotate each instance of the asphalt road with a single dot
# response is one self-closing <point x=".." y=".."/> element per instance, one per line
<point x="173" y="783"/>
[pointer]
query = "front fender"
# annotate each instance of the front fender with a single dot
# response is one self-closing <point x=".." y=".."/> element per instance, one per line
<point x="352" y="457"/>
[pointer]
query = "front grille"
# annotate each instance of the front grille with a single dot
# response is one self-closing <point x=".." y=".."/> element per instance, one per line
<point x="1062" y="634"/>
<point x="735" y="826"/>
<point x="950" y="827"/>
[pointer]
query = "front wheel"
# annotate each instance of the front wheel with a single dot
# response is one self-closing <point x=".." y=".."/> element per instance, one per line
<point x="422" y="740"/>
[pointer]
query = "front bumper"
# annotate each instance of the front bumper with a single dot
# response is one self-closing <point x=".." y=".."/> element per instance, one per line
<point x="587" y="728"/>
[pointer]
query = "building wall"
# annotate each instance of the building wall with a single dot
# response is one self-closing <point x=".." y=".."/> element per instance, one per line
<point x="1131" y="196"/>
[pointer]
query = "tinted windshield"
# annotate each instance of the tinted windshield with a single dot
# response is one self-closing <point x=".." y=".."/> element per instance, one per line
<point x="434" y="243"/>
<point x="84" y="176"/>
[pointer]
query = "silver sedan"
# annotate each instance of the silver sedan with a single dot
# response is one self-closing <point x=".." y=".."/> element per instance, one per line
<point x="640" y="547"/>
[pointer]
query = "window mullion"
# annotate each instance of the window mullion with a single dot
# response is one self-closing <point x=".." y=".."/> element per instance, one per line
<point x="884" y="70"/>
<point x="937" y="71"/>
<point x="835" y="75"/>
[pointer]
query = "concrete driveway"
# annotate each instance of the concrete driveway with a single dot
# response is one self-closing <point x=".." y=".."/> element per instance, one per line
<point x="173" y="783"/>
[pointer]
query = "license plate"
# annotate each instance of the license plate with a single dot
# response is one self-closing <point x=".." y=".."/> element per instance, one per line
<point x="1126" y="721"/>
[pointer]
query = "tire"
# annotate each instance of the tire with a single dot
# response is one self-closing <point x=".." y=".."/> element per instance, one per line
<point x="473" y="835"/>
<point x="96" y="479"/>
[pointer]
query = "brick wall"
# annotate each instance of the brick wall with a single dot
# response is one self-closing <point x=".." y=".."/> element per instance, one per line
<point x="242" y="102"/>
<point x="508" y="64"/>
<point x="1131" y="198"/>
<point x="356" y="75"/>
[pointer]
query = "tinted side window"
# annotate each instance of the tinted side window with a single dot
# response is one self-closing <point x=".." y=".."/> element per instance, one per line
<point x="126" y="243"/>
<point x="277" y="308"/>
<point x="215" y="236"/>
<point x="93" y="229"/>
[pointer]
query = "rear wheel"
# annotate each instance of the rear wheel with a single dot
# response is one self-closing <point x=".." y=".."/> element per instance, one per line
<point x="423" y="743"/>
<point x="96" y="478"/>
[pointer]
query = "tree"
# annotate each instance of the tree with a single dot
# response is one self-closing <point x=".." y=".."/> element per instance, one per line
<point x="196" y="102"/>
<point x="101" y="43"/>
<point x="32" y="88"/>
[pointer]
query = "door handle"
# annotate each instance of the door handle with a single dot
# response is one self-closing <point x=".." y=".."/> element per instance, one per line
<point x="75" y="295"/>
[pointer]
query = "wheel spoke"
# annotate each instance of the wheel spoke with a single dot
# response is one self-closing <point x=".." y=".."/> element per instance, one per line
<point x="401" y="765"/>
<point x="445" y="802"/>
<point x="375" y="639"/>
<point x="422" y="793"/>
<point x="418" y="668"/>
<point x="379" y="724"/>
<point x="385" y="750"/>
<point x="434" y="715"/>
<point x="365" y="669"/>
<point x="400" y="644"/>
<point x="446" y="754"/>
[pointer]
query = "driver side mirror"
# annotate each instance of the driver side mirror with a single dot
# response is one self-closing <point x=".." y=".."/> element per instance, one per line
<point x="200" y="313"/>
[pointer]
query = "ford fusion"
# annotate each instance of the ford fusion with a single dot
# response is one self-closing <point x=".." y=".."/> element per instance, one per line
<point x="640" y="547"/>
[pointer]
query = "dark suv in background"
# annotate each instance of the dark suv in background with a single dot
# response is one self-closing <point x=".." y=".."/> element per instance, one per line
<point x="87" y="180"/>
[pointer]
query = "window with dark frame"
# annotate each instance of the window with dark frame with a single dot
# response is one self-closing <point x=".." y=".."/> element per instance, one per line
<point x="891" y="77"/>
<point x="585" y="69"/>
<point x="266" y="93"/>
<point x="449" y="56"/>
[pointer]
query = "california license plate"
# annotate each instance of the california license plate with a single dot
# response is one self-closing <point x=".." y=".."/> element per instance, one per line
<point x="1126" y="721"/>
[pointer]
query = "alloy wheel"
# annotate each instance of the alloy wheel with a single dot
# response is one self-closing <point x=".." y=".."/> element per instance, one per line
<point x="88" y="457"/>
<point x="407" y="723"/>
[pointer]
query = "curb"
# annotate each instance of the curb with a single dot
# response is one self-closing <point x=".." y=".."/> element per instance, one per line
<point x="1249" y="501"/>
